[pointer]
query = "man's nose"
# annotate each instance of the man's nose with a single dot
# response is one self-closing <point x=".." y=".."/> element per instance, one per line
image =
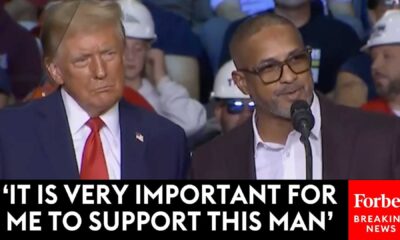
<point x="287" y="74"/>
<point x="99" y="67"/>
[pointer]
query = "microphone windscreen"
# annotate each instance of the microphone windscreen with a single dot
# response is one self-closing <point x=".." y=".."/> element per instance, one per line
<point x="302" y="118"/>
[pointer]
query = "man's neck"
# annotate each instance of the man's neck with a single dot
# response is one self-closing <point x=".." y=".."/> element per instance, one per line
<point x="273" y="129"/>
<point x="299" y="16"/>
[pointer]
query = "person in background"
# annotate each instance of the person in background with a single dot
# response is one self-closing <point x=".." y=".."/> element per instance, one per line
<point x="84" y="130"/>
<point x="145" y="71"/>
<point x="231" y="108"/>
<point x="344" y="11"/>
<point x="25" y="12"/>
<point x="384" y="48"/>
<point x="183" y="50"/>
<point x="354" y="84"/>
<point x="5" y="90"/>
<point x="273" y="66"/>
<point x="19" y="56"/>
<point x="194" y="11"/>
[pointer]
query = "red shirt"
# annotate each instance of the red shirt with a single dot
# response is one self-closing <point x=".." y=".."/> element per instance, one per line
<point x="133" y="97"/>
<point x="378" y="105"/>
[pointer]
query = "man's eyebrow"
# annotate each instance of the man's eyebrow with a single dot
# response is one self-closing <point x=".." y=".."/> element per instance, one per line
<point x="297" y="50"/>
<point x="80" y="55"/>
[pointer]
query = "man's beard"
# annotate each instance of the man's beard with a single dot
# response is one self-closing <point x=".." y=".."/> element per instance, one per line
<point x="391" y="91"/>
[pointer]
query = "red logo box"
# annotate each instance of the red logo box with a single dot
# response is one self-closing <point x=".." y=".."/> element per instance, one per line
<point x="374" y="210"/>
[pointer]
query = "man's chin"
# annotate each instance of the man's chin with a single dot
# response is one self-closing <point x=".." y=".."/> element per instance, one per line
<point x="282" y="113"/>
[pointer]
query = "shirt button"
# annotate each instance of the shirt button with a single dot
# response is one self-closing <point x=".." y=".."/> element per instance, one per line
<point x="287" y="154"/>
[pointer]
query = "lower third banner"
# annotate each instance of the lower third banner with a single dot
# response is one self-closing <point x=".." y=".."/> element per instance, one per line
<point x="277" y="208"/>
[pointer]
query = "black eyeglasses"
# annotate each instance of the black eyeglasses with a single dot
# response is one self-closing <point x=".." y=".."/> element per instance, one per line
<point x="270" y="71"/>
<point x="235" y="106"/>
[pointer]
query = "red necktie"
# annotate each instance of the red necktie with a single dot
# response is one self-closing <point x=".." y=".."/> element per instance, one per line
<point x="93" y="160"/>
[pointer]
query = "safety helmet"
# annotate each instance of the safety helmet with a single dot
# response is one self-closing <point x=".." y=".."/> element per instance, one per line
<point x="224" y="86"/>
<point x="385" y="31"/>
<point x="137" y="20"/>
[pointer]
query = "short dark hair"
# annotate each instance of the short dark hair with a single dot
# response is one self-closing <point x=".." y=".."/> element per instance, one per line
<point x="255" y="24"/>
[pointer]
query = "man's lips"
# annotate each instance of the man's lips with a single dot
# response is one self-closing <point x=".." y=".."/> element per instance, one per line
<point x="290" y="91"/>
<point x="103" y="89"/>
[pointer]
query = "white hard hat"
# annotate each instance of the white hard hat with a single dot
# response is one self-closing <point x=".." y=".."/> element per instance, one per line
<point x="137" y="20"/>
<point x="224" y="86"/>
<point x="385" y="31"/>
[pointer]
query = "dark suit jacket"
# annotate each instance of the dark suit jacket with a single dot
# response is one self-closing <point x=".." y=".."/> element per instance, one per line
<point x="35" y="143"/>
<point x="355" y="145"/>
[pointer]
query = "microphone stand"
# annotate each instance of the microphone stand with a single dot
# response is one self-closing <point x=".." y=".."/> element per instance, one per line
<point x="303" y="121"/>
<point x="309" y="161"/>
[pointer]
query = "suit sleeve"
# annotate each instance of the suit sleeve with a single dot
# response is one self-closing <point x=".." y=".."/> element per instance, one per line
<point x="183" y="155"/>
<point x="1" y="166"/>
<point x="196" y="168"/>
<point x="396" y="151"/>
<point x="1" y="160"/>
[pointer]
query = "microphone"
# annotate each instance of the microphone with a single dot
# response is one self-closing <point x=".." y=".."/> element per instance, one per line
<point x="302" y="118"/>
<point x="303" y="121"/>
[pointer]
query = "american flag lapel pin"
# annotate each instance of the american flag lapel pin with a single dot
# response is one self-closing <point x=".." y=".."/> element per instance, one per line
<point x="139" y="137"/>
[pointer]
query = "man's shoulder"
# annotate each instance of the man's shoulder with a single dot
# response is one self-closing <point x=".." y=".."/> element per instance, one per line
<point x="151" y="120"/>
<point x="358" y="118"/>
<point x="234" y="139"/>
<point x="19" y="112"/>
<point x="375" y="119"/>
<point x="226" y="156"/>
<point x="19" y="121"/>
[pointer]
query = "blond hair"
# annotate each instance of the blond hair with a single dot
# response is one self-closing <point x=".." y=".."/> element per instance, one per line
<point x="68" y="17"/>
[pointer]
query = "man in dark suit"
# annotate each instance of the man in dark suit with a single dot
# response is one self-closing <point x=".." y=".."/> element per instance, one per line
<point x="84" y="130"/>
<point x="273" y="67"/>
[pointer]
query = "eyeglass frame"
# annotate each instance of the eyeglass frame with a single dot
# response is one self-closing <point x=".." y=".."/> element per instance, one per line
<point x="256" y="70"/>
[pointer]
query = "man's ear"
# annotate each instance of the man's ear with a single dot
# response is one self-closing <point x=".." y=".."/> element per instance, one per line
<point x="54" y="72"/>
<point x="240" y="81"/>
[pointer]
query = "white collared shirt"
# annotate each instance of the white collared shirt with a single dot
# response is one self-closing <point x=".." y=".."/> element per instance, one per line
<point x="277" y="161"/>
<point x="172" y="101"/>
<point x="110" y="134"/>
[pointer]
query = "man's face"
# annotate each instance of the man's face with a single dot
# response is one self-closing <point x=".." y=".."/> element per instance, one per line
<point x="89" y="65"/>
<point x="135" y="57"/>
<point x="267" y="48"/>
<point x="232" y="113"/>
<point x="386" y="70"/>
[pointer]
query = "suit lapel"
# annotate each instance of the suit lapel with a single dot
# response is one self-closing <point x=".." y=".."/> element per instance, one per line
<point x="55" y="138"/>
<point x="133" y="143"/>
<point x="337" y="140"/>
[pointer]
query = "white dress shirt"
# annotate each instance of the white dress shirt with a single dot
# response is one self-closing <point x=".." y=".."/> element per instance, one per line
<point x="277" y="161"/>
<point x="110" y="134"/>
<point x="396" y="112"/>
